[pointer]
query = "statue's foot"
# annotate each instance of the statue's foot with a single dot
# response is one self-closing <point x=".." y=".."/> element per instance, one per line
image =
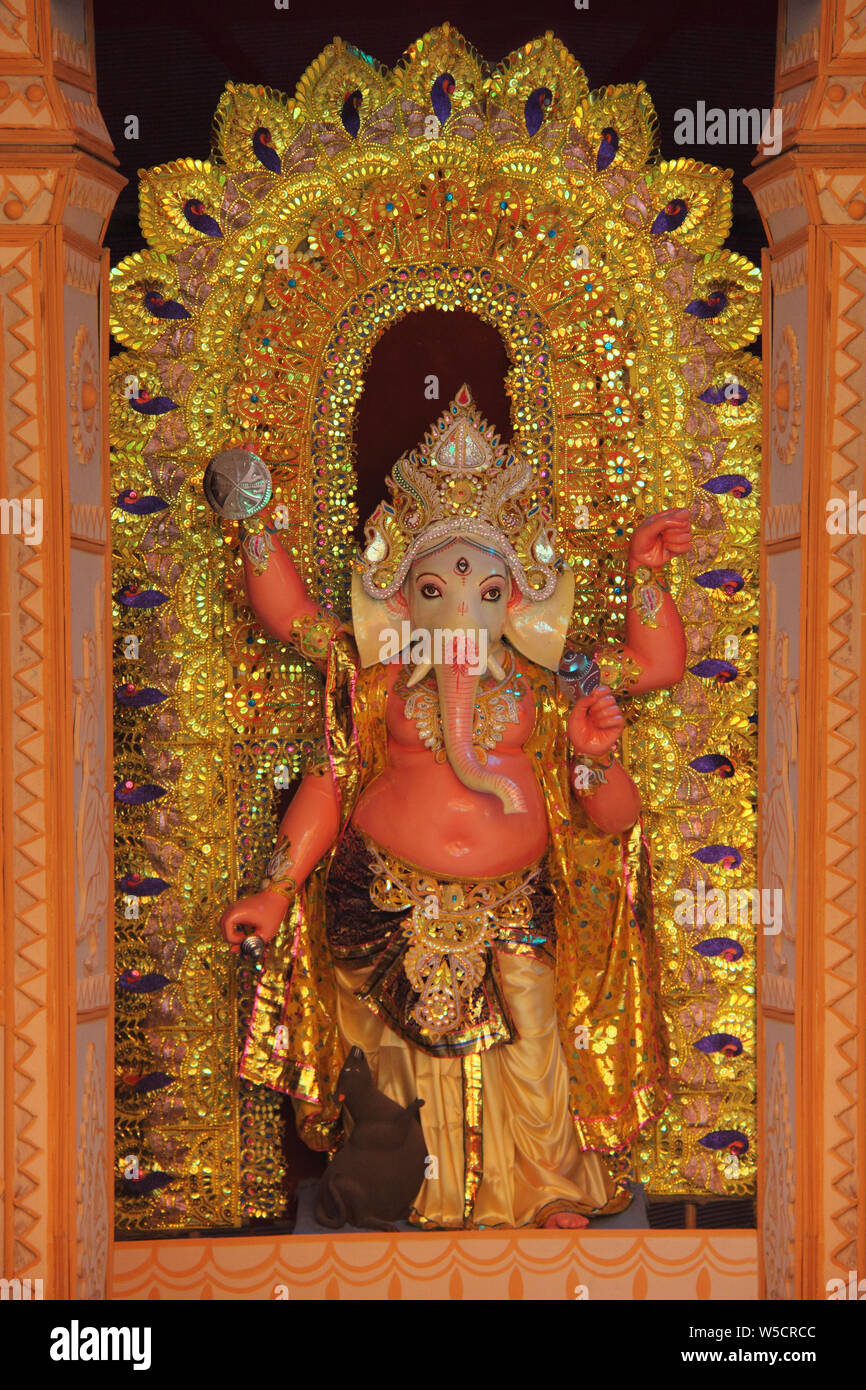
<point x="566" y="1220"/>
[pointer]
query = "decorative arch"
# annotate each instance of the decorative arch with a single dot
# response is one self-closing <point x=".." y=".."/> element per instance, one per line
<point x="271" y="270"/>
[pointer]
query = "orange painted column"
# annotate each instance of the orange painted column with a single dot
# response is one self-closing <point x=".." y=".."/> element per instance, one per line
<point x="812" y="197"/>
<point x="58" y="185"/>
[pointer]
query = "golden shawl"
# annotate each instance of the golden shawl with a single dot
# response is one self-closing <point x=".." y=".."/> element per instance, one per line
<point x="607" y="1000"/>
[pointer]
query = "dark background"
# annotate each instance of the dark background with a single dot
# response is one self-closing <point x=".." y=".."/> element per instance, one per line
<point x="168" y="61"/>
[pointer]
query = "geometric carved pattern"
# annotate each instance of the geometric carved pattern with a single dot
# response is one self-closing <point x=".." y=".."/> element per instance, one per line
<point x="777" y="992"/>
<point x="84" y="397"/>
<point x="779" y="196"/>
<point x="785" y="418"/>
<point x="842" y="910"/>
<point x="91" y="1202"/>
<point x="80" y="272"/>
<point x="91" y="194"/>
<point x="842" y="103"/>
<point x="93" y="818"/>
<point x="850" y="36"/>
<point x="24" y="103"/>
<point x="778" y="1219"/>
<point x="70" y="51"/>
<point x="782" y="522"/>
<point x="83" y="114"/>
<point x="842" y="195"/>
<point x="789" y="272"/>
<point x="87" y="521"/>
<point x="19" y="32"/>
<point x="93" y="992"/>
<point x="25" y="196"/>
<point x="778" y="816"/>
<point x="799" y="51"/>
<point x="792" y="103"/>
<point x="24" y="771"/>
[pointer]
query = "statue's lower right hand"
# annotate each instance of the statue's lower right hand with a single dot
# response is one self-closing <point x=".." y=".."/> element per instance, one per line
<point x="261" y="913"/>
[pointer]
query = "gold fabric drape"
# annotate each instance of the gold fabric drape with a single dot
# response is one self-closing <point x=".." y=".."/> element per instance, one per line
<point x="604" y="983"/>
<point x="505" y="1145"/>
<point x="606" y="974"/>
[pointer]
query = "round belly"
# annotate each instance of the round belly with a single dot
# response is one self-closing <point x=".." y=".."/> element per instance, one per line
<point x="418" y="809"/>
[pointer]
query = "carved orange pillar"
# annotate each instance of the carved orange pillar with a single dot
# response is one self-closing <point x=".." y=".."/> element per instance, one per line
<point x="58" y="185"/>
<point x="812" y="197"/>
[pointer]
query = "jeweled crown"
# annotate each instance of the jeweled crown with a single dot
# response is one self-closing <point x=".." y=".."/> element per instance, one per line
<point x="460" y="481"/>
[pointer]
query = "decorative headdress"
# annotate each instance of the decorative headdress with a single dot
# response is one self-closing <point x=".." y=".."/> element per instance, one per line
<point x="461" y="481"/>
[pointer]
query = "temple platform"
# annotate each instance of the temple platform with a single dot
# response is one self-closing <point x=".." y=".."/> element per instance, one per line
<point x="610" y="1264"/>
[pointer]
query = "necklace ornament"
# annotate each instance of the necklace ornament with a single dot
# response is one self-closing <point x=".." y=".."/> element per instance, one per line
<point x="494" y="710"/>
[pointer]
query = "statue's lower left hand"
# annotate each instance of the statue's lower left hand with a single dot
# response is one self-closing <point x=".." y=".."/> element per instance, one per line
<point x="595" y="723"/>
<point x="261" y="912"/>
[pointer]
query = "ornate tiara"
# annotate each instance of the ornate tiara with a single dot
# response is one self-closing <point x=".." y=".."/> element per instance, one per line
<point x="459" y="481"/>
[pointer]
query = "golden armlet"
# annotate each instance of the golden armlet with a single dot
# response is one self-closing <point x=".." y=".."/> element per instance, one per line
<point x="278" y="878"/>
<point x="257" y="542"/>
<point x="312" y="633"/>
<point x="647" y="588"/>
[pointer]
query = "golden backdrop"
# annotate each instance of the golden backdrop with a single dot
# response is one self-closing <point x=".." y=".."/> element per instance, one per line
<point x="271" y="272"/>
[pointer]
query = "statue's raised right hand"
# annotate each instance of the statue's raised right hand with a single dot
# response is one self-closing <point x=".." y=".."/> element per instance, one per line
<point x="261" y="913"/>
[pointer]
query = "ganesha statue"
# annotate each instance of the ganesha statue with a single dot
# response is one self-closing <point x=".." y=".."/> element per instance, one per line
<point x="453" y="888"/>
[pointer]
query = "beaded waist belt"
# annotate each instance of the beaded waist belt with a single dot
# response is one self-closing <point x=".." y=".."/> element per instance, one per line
<point x="442" y="949"/>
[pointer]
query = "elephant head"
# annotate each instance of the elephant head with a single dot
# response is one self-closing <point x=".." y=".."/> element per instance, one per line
<point x="464" y="555"/>
<point x="454" y="614"/>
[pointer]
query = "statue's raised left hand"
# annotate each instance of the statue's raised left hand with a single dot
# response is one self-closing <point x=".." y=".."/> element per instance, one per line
<point x="595" y="723"/>
<point x="660" y="537"/>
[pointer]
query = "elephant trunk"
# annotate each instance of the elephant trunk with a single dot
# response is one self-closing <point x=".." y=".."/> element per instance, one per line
<point x="457" y="703"/>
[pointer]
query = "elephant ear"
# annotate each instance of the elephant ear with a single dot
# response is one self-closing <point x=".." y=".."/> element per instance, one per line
<point x="376" y="623"/>
<point x="538" y="630"/>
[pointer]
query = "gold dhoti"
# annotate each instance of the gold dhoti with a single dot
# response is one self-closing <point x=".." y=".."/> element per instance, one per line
<point x="530" y="1164"/>
<point x="501" y="1144"/>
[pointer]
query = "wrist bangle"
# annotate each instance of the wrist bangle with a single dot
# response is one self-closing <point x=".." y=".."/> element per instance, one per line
<point x="286" y="887"/>
<point x="254" y="525"/>
<point x="313" y="633"/>
<point x="588" y="772"/>
<point x="604" y="763"/>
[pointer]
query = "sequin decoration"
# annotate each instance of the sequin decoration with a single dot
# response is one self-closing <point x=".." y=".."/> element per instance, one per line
<point x="270" y="273"/>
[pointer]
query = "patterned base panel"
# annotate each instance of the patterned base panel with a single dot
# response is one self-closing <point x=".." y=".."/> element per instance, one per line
<point x="671" y="1265"/>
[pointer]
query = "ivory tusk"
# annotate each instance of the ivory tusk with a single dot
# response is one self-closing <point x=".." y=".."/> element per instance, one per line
<point x="495" y="668"/>
<point x="421" y="670"/>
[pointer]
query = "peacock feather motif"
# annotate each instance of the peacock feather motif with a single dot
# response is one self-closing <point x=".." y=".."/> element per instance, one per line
<point x="271" y="270"/>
